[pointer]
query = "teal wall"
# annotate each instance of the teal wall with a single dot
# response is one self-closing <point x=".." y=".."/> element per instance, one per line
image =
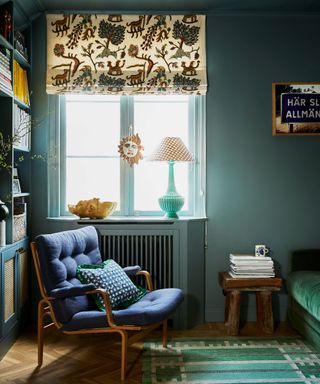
<point x="260" y="189"/>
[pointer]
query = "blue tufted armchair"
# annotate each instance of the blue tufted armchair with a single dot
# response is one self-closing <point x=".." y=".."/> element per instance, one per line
<point x="70" y="305"/>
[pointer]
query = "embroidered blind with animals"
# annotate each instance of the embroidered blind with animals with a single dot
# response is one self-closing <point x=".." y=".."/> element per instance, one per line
<point x="126" y="54"/>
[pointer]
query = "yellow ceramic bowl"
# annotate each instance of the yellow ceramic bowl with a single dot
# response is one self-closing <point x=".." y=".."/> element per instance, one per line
<point x="93" y="208"/>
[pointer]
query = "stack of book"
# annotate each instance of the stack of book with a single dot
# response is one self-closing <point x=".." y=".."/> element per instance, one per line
<point x="20" y="88"/>
<point x="5" y="72"/>
<point x="21" y="127"/>
<point x="250" y="266"/>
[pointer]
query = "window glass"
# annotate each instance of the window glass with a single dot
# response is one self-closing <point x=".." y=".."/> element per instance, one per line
<point x="91" y="139"/>
<point x="158" y="117"/>
<point x="91" y="130"/>
<point x="155" y="118"/>
<point x="92" y="177"/>
<point x="93" y="127"/>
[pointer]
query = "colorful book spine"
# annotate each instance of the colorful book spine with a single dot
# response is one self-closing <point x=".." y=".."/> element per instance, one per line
<point x="20" y="83"/>
<point x="5" y="80"/>
<point x="5" y="61"/>
<point x="5" y="84"/>
<point x="5" y="72"/>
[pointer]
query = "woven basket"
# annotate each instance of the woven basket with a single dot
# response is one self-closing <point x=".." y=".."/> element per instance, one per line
<point x="19" y="227"/>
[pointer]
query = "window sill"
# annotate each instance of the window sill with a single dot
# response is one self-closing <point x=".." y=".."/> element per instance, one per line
<point x="126" y="219"/>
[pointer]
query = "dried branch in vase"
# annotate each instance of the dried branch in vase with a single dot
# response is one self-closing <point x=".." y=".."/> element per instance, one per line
<point x="19" y="139"/>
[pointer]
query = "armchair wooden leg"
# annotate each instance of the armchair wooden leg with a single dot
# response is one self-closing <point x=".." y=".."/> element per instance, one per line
<point x="124" y="348"/>
<point x="165" y="333"/>
<point x="40" y="332"/>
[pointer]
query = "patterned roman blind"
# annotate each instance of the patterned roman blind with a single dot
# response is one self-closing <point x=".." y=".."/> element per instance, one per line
<point x="126" y="54"/>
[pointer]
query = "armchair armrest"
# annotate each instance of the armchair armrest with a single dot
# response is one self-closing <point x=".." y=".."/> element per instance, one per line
<point x="147" y="276"/>
<point x="132" y="270"/>
<point x="107" y="304"/>
<point x="86" y="289"/>
<point x="76" y="290"/>
<point x="136" y="271"/>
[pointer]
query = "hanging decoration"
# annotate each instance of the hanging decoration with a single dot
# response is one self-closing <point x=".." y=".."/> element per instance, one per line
<point x="130" y="149"/>
<point x="126" y="54"/>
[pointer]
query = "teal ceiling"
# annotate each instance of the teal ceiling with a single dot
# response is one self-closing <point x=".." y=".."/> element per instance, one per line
<point x="176" y="5"/>
<point x="29" y="9"/>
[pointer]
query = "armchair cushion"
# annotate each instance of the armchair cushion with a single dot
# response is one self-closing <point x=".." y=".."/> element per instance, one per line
<point x="59" y="255"/>
<point x="153" y="307"/>
<point x="111" y="277"/>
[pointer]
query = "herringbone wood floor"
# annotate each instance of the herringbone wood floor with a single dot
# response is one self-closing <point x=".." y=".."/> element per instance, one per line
<point x="91" y="359"/>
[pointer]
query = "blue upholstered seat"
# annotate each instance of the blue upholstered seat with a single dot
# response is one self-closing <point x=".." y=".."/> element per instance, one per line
<point x="152" y="308"/>
<point x="60" y="254"/>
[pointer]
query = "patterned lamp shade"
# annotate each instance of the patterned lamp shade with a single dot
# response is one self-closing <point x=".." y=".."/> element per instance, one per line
<point x="171" y="149"/>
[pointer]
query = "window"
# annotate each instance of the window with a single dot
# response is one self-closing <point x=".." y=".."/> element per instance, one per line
<point x="86" y="148"/>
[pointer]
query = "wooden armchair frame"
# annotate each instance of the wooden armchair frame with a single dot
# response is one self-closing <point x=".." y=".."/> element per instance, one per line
<point x="45" y="308"/>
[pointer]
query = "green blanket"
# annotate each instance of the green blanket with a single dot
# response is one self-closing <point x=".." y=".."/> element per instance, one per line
<point x="304" y="287"/>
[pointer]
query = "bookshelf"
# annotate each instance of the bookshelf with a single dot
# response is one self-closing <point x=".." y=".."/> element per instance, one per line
<point x="15" y="109"/>
<point x="15" y="187"/>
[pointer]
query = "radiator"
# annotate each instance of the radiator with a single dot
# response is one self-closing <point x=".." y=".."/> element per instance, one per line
<point x="153" y="253"/>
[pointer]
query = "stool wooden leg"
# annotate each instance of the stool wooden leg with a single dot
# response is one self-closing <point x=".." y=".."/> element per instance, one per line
<point x="226" y="307"/>
<point x="264" y="311"/>
<point x="232" y="312"/>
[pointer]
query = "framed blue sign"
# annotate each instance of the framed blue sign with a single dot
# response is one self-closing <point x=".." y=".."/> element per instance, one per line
<point x="296" y="108"/>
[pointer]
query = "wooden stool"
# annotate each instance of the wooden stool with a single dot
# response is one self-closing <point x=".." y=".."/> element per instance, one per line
<point x="263" y="287"/>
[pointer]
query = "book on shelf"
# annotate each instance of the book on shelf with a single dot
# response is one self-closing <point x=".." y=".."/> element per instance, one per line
<point x="22" y="127"/>
<point x="5" y="85"/>
<point x="5" y="62"/>
<point x="5" y="72"/>
<point x="20" y="45"/>
<point x="4" y="57"/>
<point x="20" y="83"/>
<point x="4" y="88"/>
<point x="5" y="22"/>
<point x="5" y="79"/>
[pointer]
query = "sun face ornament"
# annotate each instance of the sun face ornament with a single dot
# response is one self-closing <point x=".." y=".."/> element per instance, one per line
<point x="130" y="149"/>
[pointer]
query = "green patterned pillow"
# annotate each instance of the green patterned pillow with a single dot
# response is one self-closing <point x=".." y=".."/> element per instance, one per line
<point x="111" y="277"/>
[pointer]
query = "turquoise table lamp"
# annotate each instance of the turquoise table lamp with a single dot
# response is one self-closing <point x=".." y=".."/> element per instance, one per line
<point x="171" y="149"/>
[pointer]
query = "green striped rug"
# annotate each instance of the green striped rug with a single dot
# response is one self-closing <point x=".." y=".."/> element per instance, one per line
<point x="231" y="360"/>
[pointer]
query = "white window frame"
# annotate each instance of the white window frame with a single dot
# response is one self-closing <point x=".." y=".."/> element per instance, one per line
<point x="56" y="160"/>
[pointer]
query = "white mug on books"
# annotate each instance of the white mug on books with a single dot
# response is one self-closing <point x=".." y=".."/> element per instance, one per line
<point x="261" y="250"/>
